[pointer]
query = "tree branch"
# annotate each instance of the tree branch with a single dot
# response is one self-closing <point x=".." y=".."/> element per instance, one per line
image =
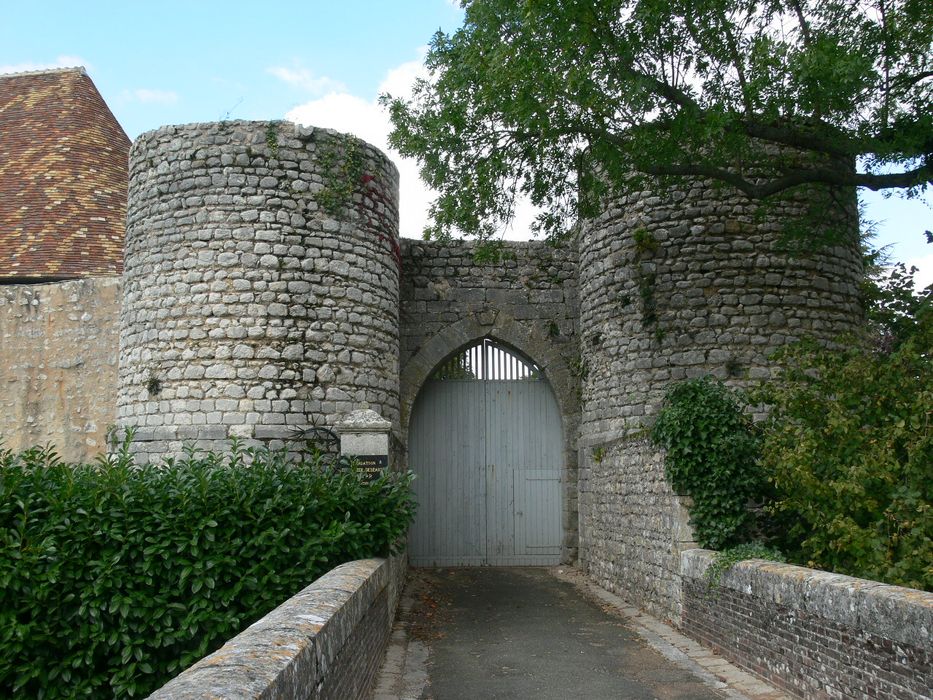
<point x="908" y="81"/>
<point x="794" y="177"/>
<point x="737" y="62"/>
<point x="836" y="143"/>
<point x="804" y="25"/>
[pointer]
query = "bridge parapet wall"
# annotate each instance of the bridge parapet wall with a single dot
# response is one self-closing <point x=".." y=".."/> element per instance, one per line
<point x="327" y="641"/>
<point x="812" y="633"/>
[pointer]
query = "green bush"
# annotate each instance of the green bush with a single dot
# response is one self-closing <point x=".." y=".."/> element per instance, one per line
<point x="849" y="449"/>
<point x="712" y="452"/>
<point x="114" y="578"/>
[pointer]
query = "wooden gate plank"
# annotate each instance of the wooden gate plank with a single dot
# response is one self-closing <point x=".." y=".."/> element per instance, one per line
<point x="447" y="454"/>
<point x="487" y="457"/>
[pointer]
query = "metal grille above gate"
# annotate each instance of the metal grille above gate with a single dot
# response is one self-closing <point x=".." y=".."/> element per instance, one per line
<point x="486" y="360"/>
<point x="485" y="444"/>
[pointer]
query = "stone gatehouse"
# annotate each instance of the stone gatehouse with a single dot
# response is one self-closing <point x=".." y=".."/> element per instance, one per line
<point x="266" y="289"/>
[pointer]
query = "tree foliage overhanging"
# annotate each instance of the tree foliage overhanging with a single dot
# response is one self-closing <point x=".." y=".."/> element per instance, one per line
<point x="666" y="88"/>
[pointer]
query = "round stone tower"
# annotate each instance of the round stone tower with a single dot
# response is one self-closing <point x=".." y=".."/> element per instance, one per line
<point x="700" y="281"/>
<point x="261" y="284"/>
<point x="677" y="284"/>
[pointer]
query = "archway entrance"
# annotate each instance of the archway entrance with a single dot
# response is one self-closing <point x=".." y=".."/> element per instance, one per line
<point x="485" y="444"/>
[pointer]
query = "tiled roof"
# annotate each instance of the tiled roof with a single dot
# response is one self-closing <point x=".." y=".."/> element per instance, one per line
<point x="63" y="178"/>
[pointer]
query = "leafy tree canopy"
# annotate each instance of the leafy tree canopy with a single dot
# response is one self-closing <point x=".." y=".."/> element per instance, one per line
<point x="671" y="89"/>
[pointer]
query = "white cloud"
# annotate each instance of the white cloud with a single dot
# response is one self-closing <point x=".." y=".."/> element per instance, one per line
<point x="147" y="96"/>
<point x="400" y="80"/>
<point x="62" y="61"/>
<point x="366" y="119"/>
<point x="306" y="80"/>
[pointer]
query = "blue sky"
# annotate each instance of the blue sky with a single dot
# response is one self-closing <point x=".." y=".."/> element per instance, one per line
<point x="321" y="62"/>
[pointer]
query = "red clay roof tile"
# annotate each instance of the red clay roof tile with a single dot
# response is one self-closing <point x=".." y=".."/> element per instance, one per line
<point x="63" y="178"/>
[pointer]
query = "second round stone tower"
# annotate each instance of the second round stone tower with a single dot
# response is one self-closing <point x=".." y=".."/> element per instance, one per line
<point x="261" y="284"/>
<point x="677" y="283"/>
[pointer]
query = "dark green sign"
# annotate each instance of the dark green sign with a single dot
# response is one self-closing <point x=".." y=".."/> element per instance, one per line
<point x="372" y="466"/>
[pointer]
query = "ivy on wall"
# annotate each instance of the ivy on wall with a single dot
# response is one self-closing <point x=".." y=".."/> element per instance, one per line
<point x="342" y="165"/>
<point x="712" y="451"/>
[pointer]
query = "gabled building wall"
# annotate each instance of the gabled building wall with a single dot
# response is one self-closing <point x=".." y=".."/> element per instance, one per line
<point x="58" y="365"/>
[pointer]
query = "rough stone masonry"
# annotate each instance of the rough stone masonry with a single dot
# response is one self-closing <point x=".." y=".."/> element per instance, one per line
<point x="251" y="308"/>
<point x="266" y="290"/>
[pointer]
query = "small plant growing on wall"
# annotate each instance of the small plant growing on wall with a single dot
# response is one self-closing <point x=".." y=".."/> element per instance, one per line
<point x="272" y="138"/>
<point x="578" y="367"/>
<point x="731" y="556"/>
<point x="342" y="166"/>
<point x="153" y="384"/>
<point x="646" y="245"/>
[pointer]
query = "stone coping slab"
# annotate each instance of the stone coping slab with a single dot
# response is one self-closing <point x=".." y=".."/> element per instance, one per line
<point x="289" y="652"/>
<point x="900" y="614"/>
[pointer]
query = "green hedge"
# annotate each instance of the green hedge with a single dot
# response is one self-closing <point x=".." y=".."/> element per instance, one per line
<point x="114" y="578"/>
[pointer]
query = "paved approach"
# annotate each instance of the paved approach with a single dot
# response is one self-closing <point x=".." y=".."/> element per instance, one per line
<point x="523" y="633"/>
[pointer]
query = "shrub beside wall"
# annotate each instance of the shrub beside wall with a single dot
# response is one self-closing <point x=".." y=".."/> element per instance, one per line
<point x="849" y="449"/>
<point x="841" y="465"/>
<point x="114" y="578"/>
<point x="711" y="456"/>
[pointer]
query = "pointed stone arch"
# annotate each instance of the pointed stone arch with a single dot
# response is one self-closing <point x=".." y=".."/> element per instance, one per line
<point x="534" y="344"/>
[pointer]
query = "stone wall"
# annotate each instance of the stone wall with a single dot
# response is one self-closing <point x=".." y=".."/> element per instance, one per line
<point x="635" y="526"/>
<point x="677" y="284"/>
<point x="261" y="284"/>
<point x="812" y="633"/>
<point x="525" y="297"/>
<point x="328" y="641"/>
<point x="58" y="365"/>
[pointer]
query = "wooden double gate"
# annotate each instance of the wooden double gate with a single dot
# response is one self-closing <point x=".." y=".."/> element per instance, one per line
<point x="486" y="447"/>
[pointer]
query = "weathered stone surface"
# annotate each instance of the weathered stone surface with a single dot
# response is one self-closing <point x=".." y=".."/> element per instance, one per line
<point x="634" y="527"/>
<point x="325" y="642"/>
<point x="244" y="294"/>
<point x="364" y="432"/>
<point x="812" y="632"/>
<point x="676" y="285"/>
<point x="58" y="365"/>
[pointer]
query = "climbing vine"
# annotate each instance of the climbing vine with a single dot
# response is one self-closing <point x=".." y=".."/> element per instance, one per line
<point x="712" y="451"/>
<point x="272" y="138"/>
<point x="646" y="245"/>
<point x="342" y="168"/>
